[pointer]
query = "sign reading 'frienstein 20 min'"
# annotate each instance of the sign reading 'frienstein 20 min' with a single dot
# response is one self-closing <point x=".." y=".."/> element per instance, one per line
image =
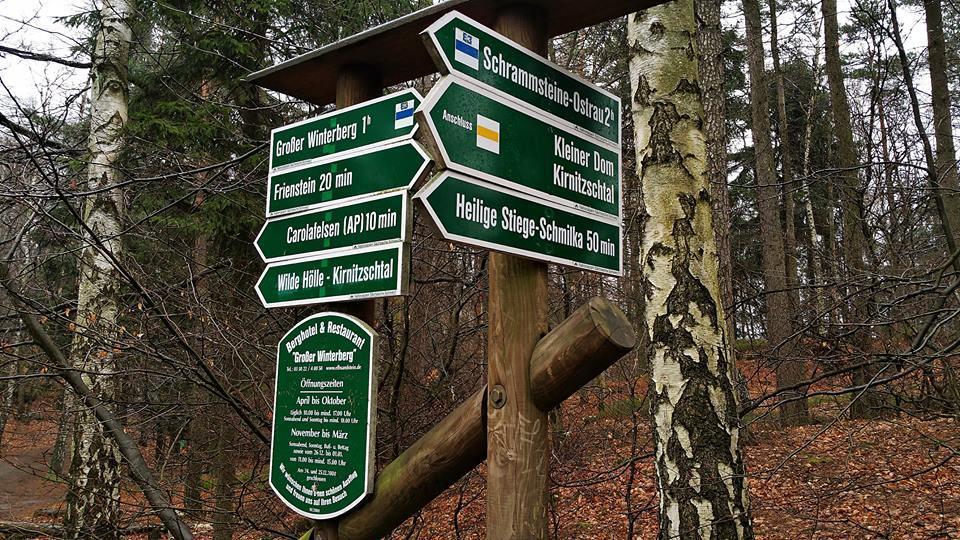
<point x="324" y="415"/>
<point x="517" y="147"/>
<point x="477" y="213"/>
<point x="381" y="120"/>
<point x="346" y="176"/>
<point x="370" y="272"/>
<point x="465" y="47"/>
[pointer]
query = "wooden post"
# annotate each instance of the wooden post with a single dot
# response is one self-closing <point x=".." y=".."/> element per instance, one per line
<point x="589" y="341"/>
<point x="355" y="84"/>
<point x="517" y="310"/>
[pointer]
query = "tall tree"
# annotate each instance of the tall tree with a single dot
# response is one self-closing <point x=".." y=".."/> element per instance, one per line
<point x="93" y="502"/>
<point x="695" y="424"/>
<point x="946" y="158"/>
<point x="781" y="315"/>
<point x="868" y="402"/>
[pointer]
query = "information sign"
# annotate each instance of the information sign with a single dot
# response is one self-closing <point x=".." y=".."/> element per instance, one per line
<point x="370" y="272"/>
<point x="324" y="415"/>
<point x="379" y="219"/>
<point x="507" y="144"/>
<point x="467" y="48"/>
<point x="475" y="213"/>
<point x="380" y="120"/>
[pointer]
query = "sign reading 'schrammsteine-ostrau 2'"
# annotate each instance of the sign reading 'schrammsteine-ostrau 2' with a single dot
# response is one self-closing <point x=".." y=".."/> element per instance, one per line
<point x="324" y="415"/>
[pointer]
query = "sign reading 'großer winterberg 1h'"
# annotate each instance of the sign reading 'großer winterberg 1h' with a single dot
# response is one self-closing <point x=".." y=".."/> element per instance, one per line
<point x="518" y="147"/>
<point x="480" y="214"/>
<point x="324" y="415"/>
<point x="467" y="48"/>
<point x="377" y="121"/>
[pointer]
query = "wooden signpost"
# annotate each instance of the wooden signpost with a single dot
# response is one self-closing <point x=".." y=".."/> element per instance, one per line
<point x="533" y="154"/>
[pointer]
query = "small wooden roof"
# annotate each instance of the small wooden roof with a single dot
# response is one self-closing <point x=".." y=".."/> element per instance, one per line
<point x="397" y="52"/>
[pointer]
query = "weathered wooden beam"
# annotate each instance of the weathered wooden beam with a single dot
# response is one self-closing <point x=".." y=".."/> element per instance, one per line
<point x="560" y="364"/>
<point x="594" y="337"/>
<point x="517" y="461"/>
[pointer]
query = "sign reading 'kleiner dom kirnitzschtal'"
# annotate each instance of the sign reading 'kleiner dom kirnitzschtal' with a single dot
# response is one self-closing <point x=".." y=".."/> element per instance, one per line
<point x="535" y="151"/>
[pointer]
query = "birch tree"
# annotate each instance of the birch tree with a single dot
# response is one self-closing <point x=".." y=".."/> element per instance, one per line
<point x="700" y="470"/>
<point x="93" y="502"/>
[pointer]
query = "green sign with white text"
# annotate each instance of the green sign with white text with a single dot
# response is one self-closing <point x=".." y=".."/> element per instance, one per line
<point x="368" y="171"/>
<point x="370" y="272"/>
<point x="381" y="120"/>
<point x="519" y="148"/>
<point x="465" y="47"/>
<point x="476" y="213"/>
<point x="324" y="415"/>
<point x="374" y="220"/>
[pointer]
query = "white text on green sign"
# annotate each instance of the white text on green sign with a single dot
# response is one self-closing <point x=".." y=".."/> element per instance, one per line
<point x="370" y="272"/>
<point x="324" y="424"/>
<point x="477" y="213"/>
<point x="463" y="46"/>
<point x="375" y="220"/>
<point x="377" y="121"/>
<point x="346" y="177"/>
<point x="520" y="148"/>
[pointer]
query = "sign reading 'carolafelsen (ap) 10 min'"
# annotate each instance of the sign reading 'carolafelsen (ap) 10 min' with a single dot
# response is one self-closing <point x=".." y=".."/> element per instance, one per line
<point x="324" y="415"/>
<point x="381" y="120"/>
<point x="462" y="46"/>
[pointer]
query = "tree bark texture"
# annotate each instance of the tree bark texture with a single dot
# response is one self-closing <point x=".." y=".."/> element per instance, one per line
<point x="713" y="95"/>
<point x="787" y="168"/>
<point x="781" y="317"/>
<point x="942" y="119"/>
<point x="93" y="501"/>
<point x="700" y="470"/>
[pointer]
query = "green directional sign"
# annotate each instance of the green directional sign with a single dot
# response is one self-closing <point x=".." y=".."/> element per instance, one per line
<point x="388" y="118"/>
<point x="516" y="147"/>
<point x="465" y="47"/>
<point x="374" y="220"/>
<point x="324" y="415"/>
<point x="371" y="170"/>
<point x="362" y="273"/>
<point x="477" y="213"/>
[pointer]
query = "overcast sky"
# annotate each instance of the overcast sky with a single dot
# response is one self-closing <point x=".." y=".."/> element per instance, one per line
<point x="32" y="24"/>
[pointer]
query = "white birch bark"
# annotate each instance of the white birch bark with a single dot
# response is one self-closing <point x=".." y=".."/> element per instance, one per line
<point x="93" y="501"/>
<point x="700" y="471"/>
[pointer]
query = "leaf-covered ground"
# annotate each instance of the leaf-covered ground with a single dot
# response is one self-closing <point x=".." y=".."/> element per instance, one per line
<point x="836" y="479"/>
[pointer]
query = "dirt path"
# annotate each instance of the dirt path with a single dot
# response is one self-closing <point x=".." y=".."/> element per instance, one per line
<point x="25" y="487"/>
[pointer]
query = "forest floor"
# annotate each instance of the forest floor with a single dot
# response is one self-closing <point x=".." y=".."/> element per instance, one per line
<point x="835" y="479"/>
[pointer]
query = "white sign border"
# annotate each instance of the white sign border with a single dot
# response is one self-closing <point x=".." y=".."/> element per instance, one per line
<point x="445" y="64"/>
<point x="435" y="182"/>
<point x="437" y="92"/>
<point x="370" y="479"/>
<point x="406" y="225"/>
<point x="366" y="150"/>
<point x="400" y="289"/>
<point x="334" y="112"/>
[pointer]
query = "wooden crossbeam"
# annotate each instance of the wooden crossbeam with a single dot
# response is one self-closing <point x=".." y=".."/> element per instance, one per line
<point x="581" y="347"/>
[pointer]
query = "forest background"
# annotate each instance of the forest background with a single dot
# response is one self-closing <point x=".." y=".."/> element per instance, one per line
<point x="132" y="178"/>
